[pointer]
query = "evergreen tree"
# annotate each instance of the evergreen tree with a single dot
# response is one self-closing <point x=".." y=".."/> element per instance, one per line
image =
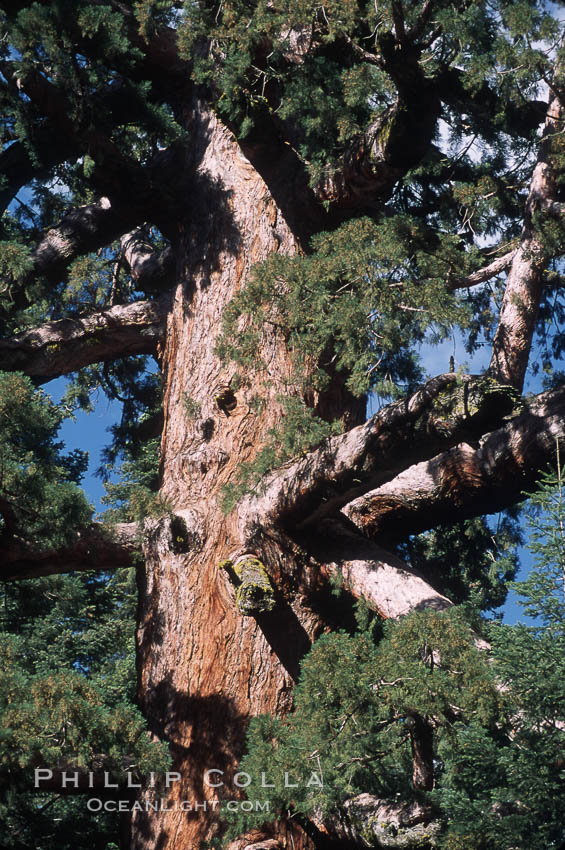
<point x="67" y="654"/>
<point x="510" y="790"/>
<point x="278" y="204"/>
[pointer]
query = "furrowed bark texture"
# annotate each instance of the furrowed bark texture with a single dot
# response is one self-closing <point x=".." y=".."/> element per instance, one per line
<point x="204" y="666"/>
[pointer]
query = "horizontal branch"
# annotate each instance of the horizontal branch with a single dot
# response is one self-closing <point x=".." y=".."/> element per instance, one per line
<point x="468" y="480"/>
<point x="87" y="228"/>
<point x="66" y="345"/>
<point x="445" y="411"/>
<point x="98" y="547"/>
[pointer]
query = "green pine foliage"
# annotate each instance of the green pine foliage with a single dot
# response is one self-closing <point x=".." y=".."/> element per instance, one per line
<point x="509" y="789"/>
<point x="67" y="648"/>
<point x="41" y="503"/>
<point x="471" y="562"/>
<point x="354" y="707"/>
<point x="360" y="303"/>
<point x="67" y="696"/>
<point x="134" y="497"/>
<point x="329" y="94"/>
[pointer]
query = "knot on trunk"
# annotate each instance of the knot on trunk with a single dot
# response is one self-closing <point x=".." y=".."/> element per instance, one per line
<point x="179" y="532"/>
<point x="255" y="593"/>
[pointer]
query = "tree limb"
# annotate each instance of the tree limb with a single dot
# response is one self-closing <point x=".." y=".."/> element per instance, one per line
<point x="467" y="480"/>
<point x="85" y="229"/>
<point x="519" y="310"/>
<point x="81" y="230"/>
<point x="150" y="270"/>
<point x="445" y="411"/>
<point x="368" y="172"/>
<point x="66" y="345"/>
<point x="483" y="274"/>
<point x="366" y="571"/>
<point x="369" y="821"/>
<point x="419" y="27"/>
<point x="98" y="547"/>
<point x="484" y="102"/>
<point x="479" y="276"/>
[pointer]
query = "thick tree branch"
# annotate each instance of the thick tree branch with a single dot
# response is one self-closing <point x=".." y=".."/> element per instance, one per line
<point x="445" y="411"/>
<point x="366" y="571"/>
<point x="368" y="172"/>
<point x="419" y="28"/>
<point x="484" y="102"/>
<point x="81" y="230"/>
<point x="518" y="314"/>
<point x="87" y="228"/>
<point x="396" y="141"/>
<point x="66" y="345"/>
<point x="92" y="226"/>
<point x="98" y="547"/>
<point x="468" y="480"/>
<point x="369" y="821"/>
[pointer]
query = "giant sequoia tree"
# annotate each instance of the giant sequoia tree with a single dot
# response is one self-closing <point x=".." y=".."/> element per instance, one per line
<point x="279" y="202"/>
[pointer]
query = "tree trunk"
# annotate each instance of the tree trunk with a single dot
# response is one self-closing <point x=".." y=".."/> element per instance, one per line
<point x="204" y="668"/>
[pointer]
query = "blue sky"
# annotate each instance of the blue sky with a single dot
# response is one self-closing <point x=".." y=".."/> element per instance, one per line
<point x="88" y="432"/>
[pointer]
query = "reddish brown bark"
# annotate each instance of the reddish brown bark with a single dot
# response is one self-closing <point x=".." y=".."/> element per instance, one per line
<point x="204" y="667"/>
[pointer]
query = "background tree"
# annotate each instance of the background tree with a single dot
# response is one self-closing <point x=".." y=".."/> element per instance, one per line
<point x="279" y="204"/>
